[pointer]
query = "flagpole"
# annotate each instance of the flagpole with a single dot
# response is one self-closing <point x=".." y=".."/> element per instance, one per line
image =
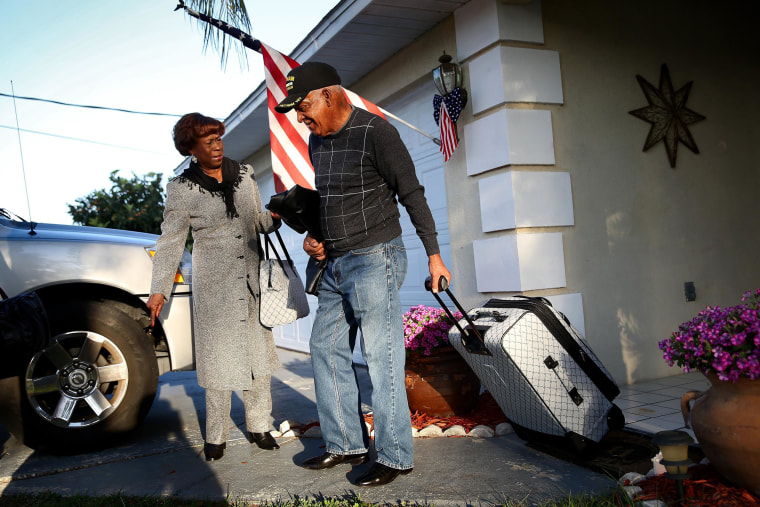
<point x="255" y="44"/>
<point x="434" y="139"/>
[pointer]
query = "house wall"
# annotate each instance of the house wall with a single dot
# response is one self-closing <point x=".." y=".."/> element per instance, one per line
<point x="641" y="228"/>
<point x="551" y="84"/>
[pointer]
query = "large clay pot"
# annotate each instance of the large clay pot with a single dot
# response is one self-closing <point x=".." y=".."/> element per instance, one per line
<point x="726" y="422"/>
<point x="441" y="384"/>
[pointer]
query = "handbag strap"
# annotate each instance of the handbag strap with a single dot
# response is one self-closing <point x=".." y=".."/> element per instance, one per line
<point x="270" y="244"/>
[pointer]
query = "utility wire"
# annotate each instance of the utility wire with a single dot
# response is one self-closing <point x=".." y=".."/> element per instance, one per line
<point x="89" y="107"/>
<point x="14" y="97"/>
<point x="81" y="140"/>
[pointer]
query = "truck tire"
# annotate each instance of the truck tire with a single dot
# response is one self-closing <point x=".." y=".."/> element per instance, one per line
<point x="94" y="384"/>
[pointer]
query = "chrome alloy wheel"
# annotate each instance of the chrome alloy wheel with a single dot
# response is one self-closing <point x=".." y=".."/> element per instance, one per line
<point x="77" y="381"/>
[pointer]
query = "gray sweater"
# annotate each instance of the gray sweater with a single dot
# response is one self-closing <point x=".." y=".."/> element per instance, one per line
<point x="360" y="171"/>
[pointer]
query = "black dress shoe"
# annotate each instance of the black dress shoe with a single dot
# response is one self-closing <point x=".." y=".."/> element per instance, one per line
<point x="214" y="451"/>
<point x="329" y="460"/>
<point x="263" y="440"/>
<point x="380" y="474"/>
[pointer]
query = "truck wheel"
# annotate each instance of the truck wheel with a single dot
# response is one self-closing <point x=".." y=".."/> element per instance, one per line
<point x="93" y="384"/>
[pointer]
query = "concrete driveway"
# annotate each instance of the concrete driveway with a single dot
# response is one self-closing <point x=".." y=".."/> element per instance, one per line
<point x="166" y="458"/>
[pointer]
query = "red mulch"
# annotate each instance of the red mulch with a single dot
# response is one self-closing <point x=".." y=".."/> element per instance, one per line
<point x="486" y="413"/>
<point x="704" y="488"/>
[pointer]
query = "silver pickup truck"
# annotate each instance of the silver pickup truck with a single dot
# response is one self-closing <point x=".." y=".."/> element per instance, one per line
<point x="98" y="377"/>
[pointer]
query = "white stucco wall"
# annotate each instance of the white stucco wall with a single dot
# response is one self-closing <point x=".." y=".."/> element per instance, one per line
<point x="641" y="229"/>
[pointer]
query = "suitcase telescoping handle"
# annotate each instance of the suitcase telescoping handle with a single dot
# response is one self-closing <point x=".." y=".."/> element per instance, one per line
<point x="471" y="337"/>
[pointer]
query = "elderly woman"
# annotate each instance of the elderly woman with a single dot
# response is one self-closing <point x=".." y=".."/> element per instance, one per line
<point x="218" y="200"/>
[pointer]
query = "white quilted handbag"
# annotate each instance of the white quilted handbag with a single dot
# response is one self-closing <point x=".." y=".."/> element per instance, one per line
<point x="283" y="299"/>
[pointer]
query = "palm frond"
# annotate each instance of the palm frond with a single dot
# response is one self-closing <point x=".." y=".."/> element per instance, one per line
<point x="233" y="12"/>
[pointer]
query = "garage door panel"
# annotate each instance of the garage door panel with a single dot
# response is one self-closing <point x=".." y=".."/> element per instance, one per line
<point x="435" y="189"/>
<point x="413" y="292"/>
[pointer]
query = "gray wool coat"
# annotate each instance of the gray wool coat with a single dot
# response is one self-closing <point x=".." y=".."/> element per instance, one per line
<point x="231" y="345"/>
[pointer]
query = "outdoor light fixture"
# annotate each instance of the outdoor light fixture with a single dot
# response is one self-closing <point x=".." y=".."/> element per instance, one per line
<point x="448" y="76"/>
<point x="448" y="103"/>
<point x="674" y="446"/>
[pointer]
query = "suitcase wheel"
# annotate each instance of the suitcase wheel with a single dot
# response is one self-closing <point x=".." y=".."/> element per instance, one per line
<point x="615" y="418"/>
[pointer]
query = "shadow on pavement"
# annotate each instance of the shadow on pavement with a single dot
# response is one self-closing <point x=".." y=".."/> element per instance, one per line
<point x="170" y="439"/>
<point x="158" y="446"/>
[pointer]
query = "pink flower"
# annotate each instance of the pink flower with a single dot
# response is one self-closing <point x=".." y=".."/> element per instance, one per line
<point x="426" y="328"/>
<point x="724" y="341"/>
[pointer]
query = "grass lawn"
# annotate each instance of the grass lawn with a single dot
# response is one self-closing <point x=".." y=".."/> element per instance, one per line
<point x="55" y="500"/>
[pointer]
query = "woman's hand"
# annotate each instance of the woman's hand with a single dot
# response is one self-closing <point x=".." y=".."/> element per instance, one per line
<point x="314" y="248"/>
<point x="155" y="304"/>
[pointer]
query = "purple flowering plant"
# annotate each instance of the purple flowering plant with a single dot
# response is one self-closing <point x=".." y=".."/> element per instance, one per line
<point x="426" y="328"/>
<point x="723" y="341"/>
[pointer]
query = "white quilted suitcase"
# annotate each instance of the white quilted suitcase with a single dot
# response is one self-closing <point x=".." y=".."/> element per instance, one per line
<point x="539" y="369"/>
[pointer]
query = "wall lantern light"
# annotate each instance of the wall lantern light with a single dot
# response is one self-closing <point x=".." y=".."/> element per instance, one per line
<point x="675" y="456"/>
<point x="448" y="76"/>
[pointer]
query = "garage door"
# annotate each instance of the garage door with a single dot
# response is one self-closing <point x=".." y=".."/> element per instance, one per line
<point x="416" y="108"/>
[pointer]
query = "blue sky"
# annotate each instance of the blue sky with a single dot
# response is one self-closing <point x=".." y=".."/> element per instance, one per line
<point x="138" y="55"/>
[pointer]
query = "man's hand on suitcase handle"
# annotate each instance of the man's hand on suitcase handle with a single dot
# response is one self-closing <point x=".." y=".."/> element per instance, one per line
<point x="443" y="284"/>
<point x="471" y="336"/>
<point x="438" y="272"/>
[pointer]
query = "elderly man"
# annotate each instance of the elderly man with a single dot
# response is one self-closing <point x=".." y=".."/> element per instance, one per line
<point x="361" y="169"/>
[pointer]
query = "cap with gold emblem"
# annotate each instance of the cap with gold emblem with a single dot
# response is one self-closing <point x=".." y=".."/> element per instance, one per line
<point x="305" y="78"/>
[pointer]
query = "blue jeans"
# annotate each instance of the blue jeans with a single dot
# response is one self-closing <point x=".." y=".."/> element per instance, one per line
<point x="360" y="291"/>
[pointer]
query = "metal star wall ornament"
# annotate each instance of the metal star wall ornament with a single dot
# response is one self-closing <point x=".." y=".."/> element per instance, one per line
<point x="668" y="114"/>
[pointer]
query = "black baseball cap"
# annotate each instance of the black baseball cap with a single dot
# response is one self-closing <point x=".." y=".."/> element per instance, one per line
<point x="305" y="78"/>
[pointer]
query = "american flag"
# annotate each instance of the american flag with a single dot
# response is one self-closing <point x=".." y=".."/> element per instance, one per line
<point x="446" y="111"/>
<point x="448" y="133"/>
<point x="288" y="138"/>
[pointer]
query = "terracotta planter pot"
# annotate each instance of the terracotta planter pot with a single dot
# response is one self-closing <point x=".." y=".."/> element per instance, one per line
<point x="726" y="422"/>
<point x="441" y="384"/>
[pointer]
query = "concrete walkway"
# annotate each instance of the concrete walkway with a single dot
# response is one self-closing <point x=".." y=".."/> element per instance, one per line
<point x="166" y="458"/>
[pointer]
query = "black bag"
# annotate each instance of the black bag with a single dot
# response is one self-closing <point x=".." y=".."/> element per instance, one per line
<point x="24" y="331"/>
<point x="315" y="271"/>
<point x="299" y="209"/>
